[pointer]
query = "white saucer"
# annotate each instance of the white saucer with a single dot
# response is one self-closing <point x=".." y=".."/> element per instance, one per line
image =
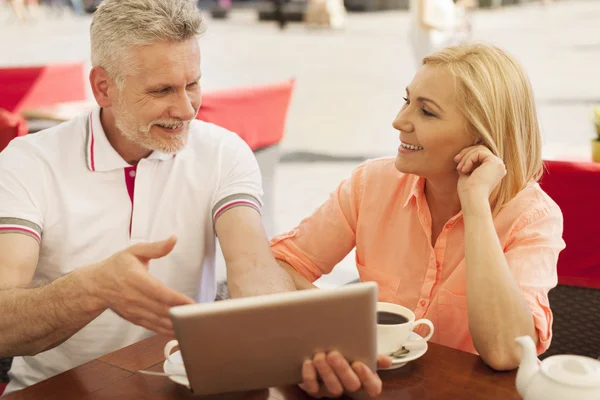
<point x="168" y="368"/>
<point x="415" y="351"/>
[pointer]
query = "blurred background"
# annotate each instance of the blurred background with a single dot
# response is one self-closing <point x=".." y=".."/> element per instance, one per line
<point x="350" y="63"/>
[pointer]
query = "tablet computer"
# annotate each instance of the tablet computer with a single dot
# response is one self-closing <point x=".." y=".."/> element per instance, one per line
<point x="259" y="342"/>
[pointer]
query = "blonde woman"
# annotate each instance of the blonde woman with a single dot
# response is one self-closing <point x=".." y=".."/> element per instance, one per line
<point x="454" y="227"/>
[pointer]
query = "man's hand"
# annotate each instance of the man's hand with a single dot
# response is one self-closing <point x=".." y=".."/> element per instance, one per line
<point x="338" y="376"/>
<point x="123" y="284"/>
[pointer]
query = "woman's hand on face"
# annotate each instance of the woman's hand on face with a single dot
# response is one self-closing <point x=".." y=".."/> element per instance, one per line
<point x="479" y="171"/>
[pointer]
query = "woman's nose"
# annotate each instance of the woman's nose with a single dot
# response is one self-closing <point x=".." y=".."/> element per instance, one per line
<point x="402" y="122"/>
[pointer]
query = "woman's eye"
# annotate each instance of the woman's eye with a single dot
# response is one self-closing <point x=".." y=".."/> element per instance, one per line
<point x="427" y="113"/>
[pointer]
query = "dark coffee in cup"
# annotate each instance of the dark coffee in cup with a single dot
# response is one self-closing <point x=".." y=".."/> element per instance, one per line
<point x="389" y="318"/>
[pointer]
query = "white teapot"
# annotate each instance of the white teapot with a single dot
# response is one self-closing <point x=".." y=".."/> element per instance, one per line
<point x="560" y="377"/>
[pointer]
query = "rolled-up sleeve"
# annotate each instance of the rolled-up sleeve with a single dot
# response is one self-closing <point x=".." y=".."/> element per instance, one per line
<point x="532" y="256"/>
<point x="323" y="239"/>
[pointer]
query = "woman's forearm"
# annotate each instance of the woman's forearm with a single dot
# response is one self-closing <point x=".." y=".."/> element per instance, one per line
<point x="496" y="308"/>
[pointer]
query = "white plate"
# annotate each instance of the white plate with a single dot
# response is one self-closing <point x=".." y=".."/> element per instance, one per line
<point x="168" y="368"/>
<point x="416" y="351"/>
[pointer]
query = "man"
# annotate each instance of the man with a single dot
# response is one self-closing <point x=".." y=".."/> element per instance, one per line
<point x="108" y="220"/>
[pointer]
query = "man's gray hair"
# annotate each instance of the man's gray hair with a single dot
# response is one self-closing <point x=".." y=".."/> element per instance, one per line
<point x="119" y="25"/>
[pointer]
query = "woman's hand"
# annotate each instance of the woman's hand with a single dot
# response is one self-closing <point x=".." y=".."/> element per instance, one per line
<point x="338" y="376"/>
<point x="479" y="171"/>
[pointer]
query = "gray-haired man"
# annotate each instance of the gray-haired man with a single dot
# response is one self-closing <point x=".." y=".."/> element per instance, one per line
<point x="91" y="210"/>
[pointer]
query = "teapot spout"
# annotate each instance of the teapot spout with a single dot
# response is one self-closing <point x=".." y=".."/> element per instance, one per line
<point x="530" y="365"/>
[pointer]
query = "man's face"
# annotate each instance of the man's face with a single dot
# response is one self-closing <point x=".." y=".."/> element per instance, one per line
<point x="160" y="95"/>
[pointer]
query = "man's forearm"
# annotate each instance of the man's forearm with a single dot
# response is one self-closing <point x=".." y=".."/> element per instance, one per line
<point x="37" y="319"/>
<point x="251" y="267"/>
<point x="246" y="281"/>
<point x="301" y="282"/>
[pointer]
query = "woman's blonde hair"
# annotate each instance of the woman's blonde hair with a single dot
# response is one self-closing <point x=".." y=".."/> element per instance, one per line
<point x="495" y="95"/>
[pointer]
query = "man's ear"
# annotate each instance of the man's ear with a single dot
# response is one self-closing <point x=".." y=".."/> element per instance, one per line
<point x="102" y="86"/>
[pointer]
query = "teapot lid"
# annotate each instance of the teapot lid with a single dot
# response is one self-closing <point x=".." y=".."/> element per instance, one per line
<point x="572" y="370"/>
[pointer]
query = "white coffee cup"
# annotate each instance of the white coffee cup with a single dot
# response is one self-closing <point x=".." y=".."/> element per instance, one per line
<point x="175" y="367"/>
<point x="393" y="337"/>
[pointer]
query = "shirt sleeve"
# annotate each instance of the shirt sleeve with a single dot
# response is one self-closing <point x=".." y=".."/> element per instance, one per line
<point x="21" y="191"/>
<point x="532" y="256"/>
<point x="322" y="240"/>
<point x="240" y="182"/>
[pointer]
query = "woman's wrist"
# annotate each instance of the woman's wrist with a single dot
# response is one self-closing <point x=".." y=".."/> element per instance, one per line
<point x="475" y="203"/>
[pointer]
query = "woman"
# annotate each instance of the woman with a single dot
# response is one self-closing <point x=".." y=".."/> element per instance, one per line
<point x="454" y="227"/>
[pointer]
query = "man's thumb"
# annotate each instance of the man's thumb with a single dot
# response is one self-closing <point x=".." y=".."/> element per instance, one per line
<point x="153" y="250"/>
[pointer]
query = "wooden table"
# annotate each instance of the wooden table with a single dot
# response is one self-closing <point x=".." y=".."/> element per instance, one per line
<point x="441" y="374"/>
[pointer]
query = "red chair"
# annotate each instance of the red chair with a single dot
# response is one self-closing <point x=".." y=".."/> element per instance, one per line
<point x="257" y="114"/>
<point x="11" y="126"/>
<point x="31" y="87"/>
<point x="575" y="187"/>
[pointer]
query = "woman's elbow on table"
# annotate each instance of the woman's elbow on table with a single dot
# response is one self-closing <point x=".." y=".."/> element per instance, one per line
<point x="499" y="361"/>
<point x="501" y="357"/>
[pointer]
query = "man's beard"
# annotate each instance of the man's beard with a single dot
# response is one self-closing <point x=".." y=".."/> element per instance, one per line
<point x="140" y="134"/>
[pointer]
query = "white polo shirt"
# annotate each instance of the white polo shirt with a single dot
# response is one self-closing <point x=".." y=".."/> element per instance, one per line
<point x="68" y="188"/>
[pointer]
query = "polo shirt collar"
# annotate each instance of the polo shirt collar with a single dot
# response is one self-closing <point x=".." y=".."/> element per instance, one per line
<point x="100" y="155"/>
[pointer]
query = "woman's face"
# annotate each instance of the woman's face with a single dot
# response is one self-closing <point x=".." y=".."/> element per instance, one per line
<point x="432" y="128"/>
